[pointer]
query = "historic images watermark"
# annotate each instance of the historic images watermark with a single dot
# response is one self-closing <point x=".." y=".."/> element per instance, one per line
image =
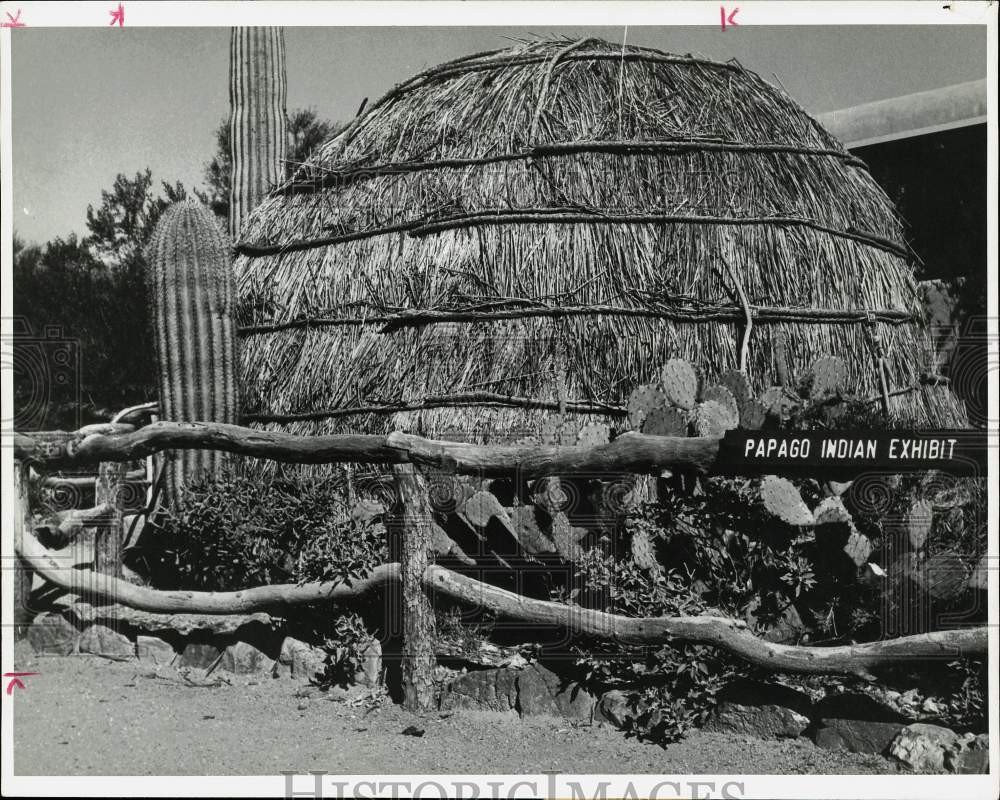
<point x="553" y="785"/>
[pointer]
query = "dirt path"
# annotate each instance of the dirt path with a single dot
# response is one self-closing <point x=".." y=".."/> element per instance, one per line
<point x="88" y="716"/>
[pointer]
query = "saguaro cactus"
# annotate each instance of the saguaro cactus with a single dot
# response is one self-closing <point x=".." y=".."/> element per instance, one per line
<point x="191" y="291"/>
<point x="258" y="130"/>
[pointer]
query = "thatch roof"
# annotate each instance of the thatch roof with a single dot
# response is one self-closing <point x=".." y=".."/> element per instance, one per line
<point x="543" y="227"/>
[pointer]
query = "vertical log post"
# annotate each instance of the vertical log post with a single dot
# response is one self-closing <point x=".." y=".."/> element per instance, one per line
<point x="414" y="516"/>
<point x="258" y="128"/>
<point x="22" y="572"/>
<point x="110" y="531"/>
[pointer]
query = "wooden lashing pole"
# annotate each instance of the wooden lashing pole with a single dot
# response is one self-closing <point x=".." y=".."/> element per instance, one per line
<point x="23" y="575"/>
<point x="258" y="128"/>
<point x="414" y="519"/>
<point x="110" y="492"/>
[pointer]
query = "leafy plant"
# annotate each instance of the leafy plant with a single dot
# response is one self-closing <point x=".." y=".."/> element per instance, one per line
<point x="235" y="532"/>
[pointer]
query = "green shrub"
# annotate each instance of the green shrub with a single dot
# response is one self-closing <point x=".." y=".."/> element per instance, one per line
<point x="671" y="688"/>
<point x="236" y="532"/>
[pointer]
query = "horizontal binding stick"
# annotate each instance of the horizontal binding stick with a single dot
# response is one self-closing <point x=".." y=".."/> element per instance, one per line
<point x="560" y="216"/>
<point x="706" y="313"/>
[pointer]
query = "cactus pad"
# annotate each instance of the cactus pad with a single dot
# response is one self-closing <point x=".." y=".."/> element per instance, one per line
<point x="566" y="538"/>
<point x="711" y="418"/>
<point x="549" y="430"/>
<point x="643" y="553"/>
<point x="918" y="523"/>
<point x="644" y="400"/>
<point x="945" y="576"/>
<point x="829" y="374"/>
<point x="665" y="421"/>
<point x="752" y="416"/>
<point x="528" y="529"/>
<point x="832" y="512"/>
<point x="737" y="384"/>
<point x="777" y="403"/>
<point x="680" y="383"/>
<point x="594" y="434"/>
<point x="783" y="500"/>
<point x="480" y="508"/>
<point x="568" y="433"/>
<point x="549" y="495"/>
<point x="724" y="397"/>
<point x="858" y="548"/>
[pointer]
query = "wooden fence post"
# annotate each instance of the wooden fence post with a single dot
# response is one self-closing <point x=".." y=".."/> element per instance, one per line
<point x="23" y="575"/>
<point x="414" y="519"/>
<point x="108" y="539"/>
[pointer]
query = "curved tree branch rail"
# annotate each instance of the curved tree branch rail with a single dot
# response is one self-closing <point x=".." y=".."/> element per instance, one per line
<point x="630" y="452"/>
<point x="721" y="632"/>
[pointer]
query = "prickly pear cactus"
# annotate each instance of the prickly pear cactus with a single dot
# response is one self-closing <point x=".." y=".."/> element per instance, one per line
<point x="721" y="395"/>
<point x="777" y="403"/>
<point x="828" y="376"/>
<point x="783" y="500"/>
<point x="190" y="284"/>
<point x="752" y="416"/>
<point x="643" y="554"/>
<point x="918" y="523"/>
<point x="665" y="421"/>
<point x="550" y="429"/>
<point x="642" y="402"/>
<point x="568" y="433"/>
<point x="593" y="434"/>
<point x="737" y="384"/>
<point x="680" y="383"/>
<point x="712" y="418"/>
<point x="831" y="511"/>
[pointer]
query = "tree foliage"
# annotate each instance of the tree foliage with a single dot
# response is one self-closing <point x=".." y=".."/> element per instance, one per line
<point x="306" y="131"/>
<point x="91" y="293"/>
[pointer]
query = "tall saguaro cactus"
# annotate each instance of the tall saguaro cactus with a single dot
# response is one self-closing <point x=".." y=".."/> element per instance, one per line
<point x="192" y="295"/>
<point x="258" y="130"/>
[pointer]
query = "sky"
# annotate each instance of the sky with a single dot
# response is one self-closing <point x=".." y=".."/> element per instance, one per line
<point x="90" y="103"/>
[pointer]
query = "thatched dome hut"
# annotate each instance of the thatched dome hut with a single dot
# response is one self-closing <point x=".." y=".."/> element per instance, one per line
<point x="540" y="228"/>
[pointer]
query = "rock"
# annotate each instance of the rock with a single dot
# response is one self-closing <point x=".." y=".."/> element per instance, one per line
<point x="761" y="721"/>
<point x="541" y="692"/>
<point x="856" y="722"/>
<point x="788" y="629"/>
<point x="971" y="756"/>
<point x="923" y="747"/>
<point x="613" y="707"/>
<point x="199" y="655"/>
<point x="488" y="689"/>
<point x="100" y="640"/>
<point x="53" y="635"/>
<point x="371" y="664"/>
<point x="300" y="659"/>
<point x="154" y="650"/>
<point x="762" y="710"/>
<point x="856" y="736"/>
<point x="242" y="658"/>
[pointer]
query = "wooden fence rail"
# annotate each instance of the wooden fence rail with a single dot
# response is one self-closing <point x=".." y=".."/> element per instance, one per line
<point x="411" y="455"/>
<point x="630" y="452"/>
<point x="723" y="632"/>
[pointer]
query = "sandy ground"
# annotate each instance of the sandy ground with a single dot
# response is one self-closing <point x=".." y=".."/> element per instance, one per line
<point x="89" y="716"/>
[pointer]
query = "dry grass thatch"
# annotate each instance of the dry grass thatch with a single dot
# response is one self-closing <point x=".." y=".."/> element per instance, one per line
<point x="542" y="227"/>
